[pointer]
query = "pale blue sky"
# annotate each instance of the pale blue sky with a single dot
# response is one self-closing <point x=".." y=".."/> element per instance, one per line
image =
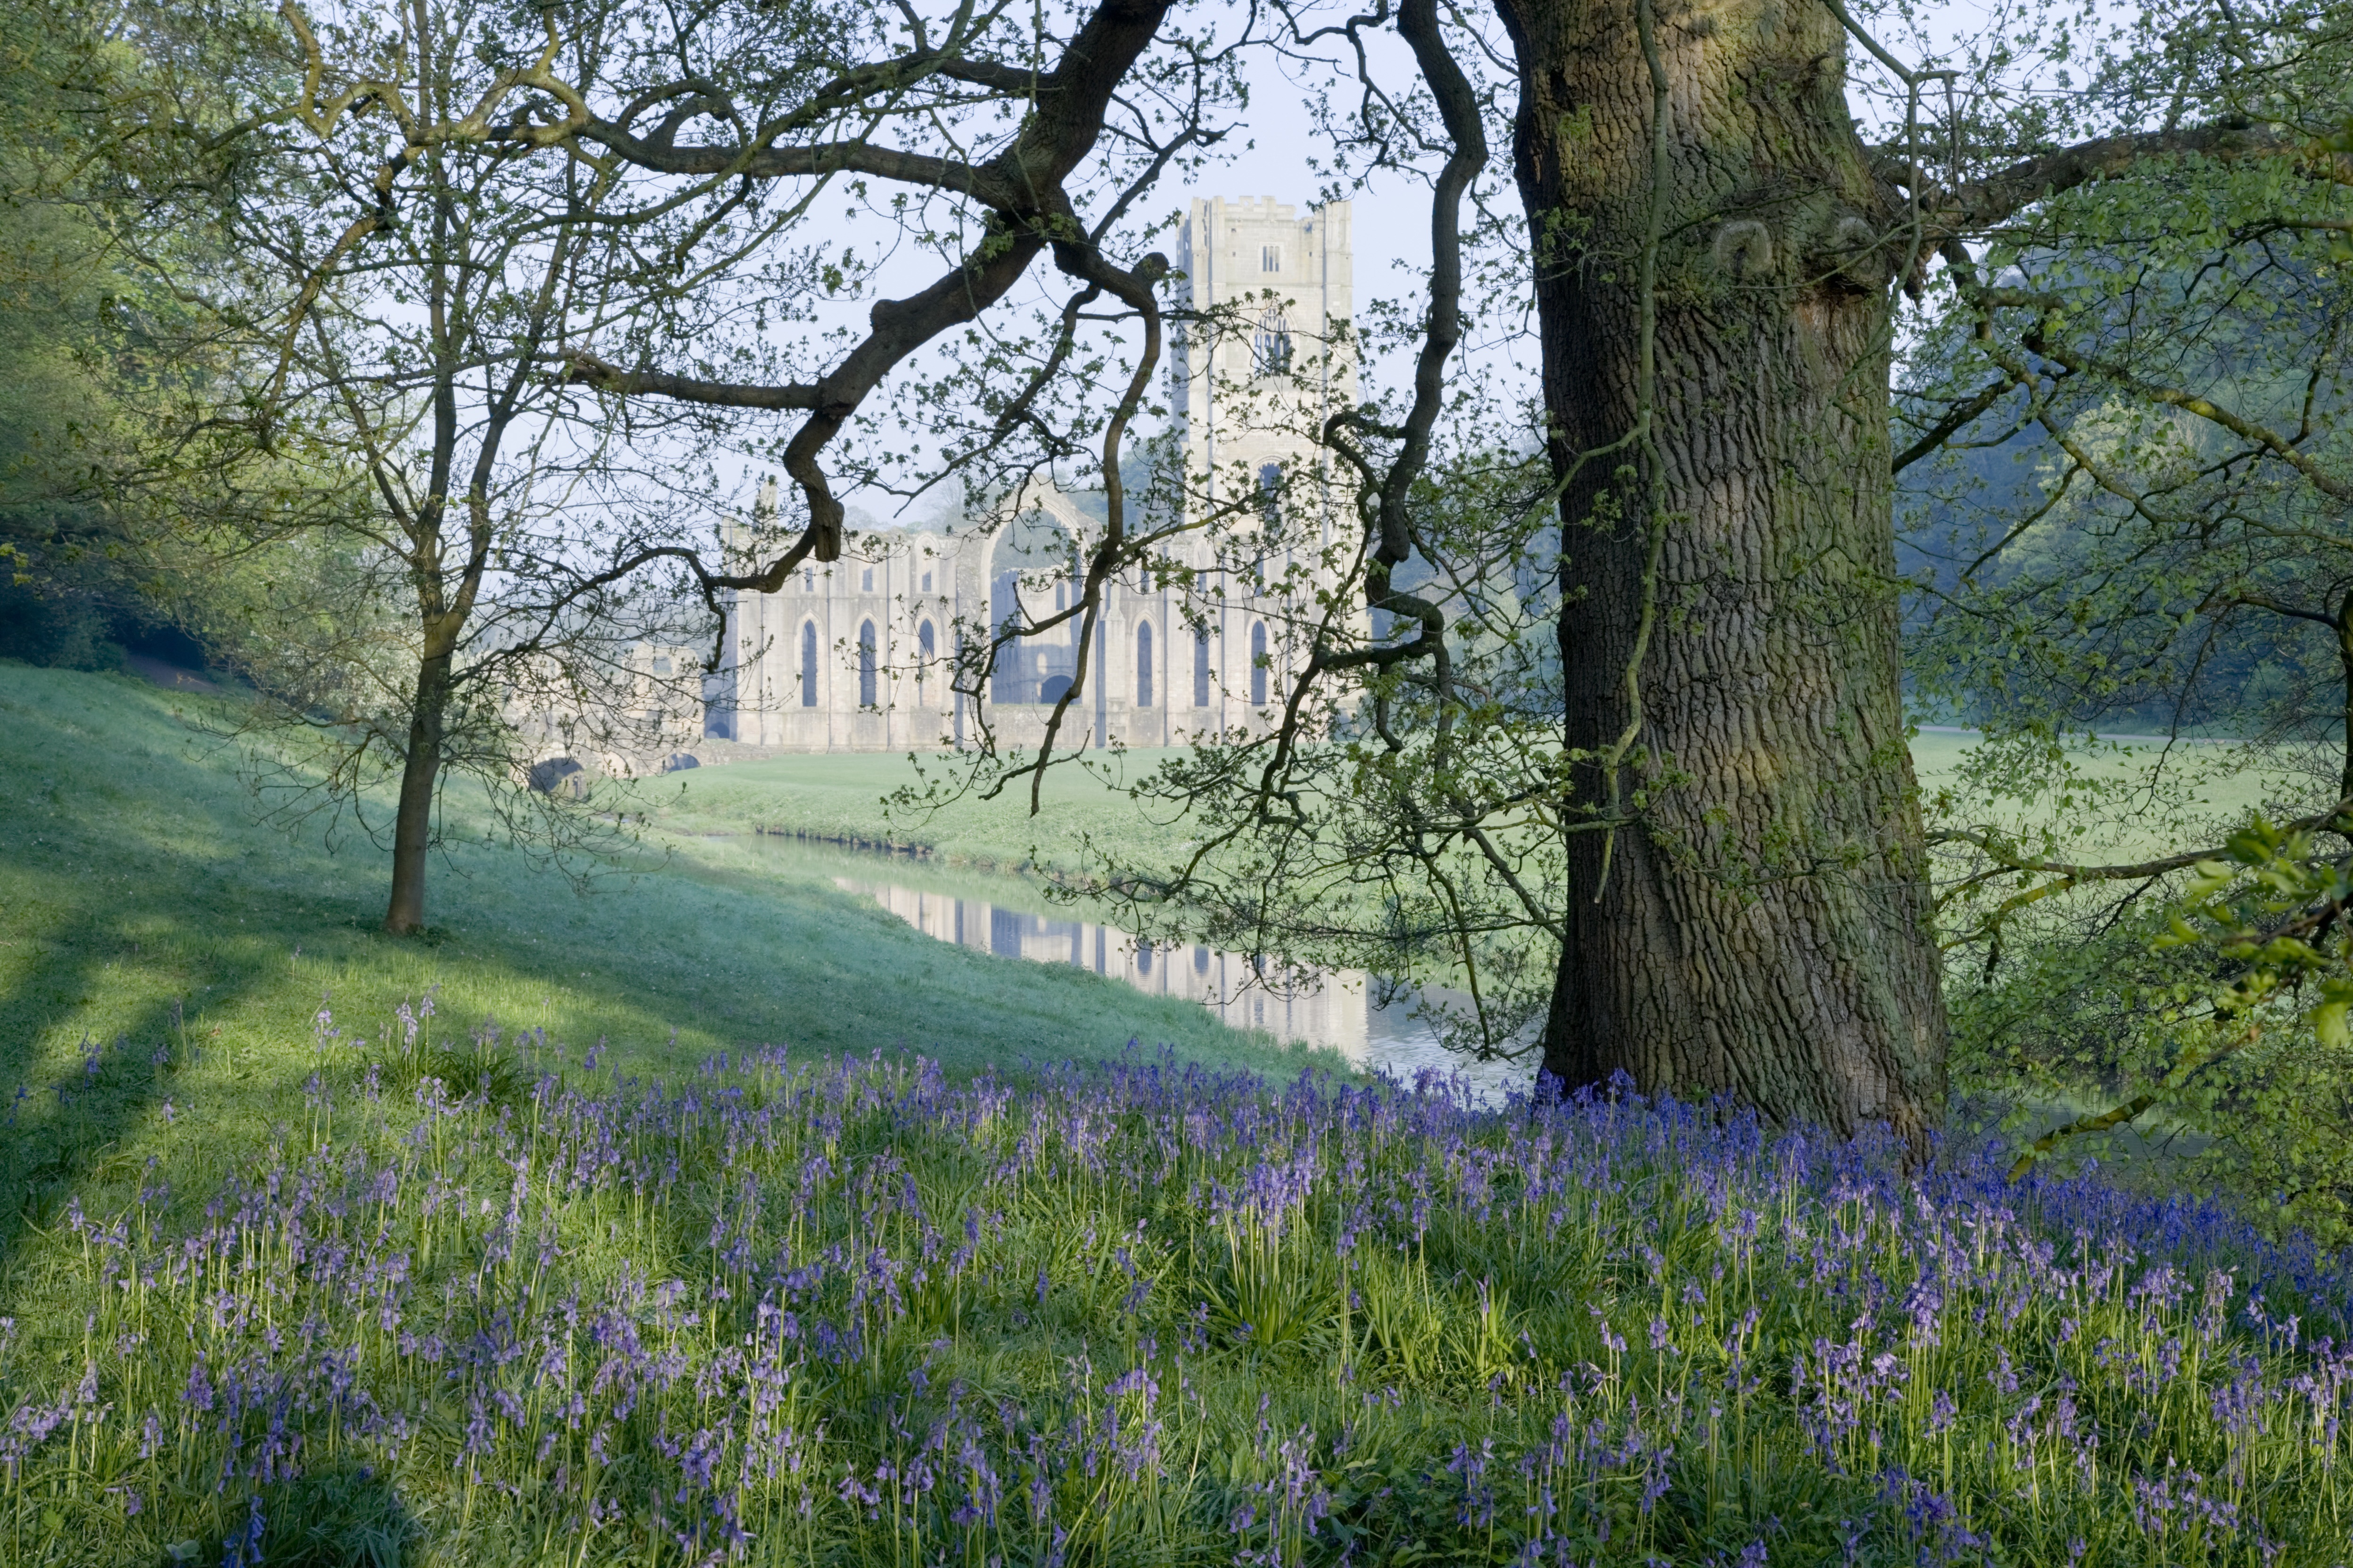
<point x="1274" y="154"/>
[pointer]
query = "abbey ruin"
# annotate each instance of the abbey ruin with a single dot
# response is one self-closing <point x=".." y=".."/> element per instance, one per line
<point x="858" y="655"/>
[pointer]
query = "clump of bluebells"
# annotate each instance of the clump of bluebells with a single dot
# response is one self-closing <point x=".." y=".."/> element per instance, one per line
<point x="522" y="1310"/>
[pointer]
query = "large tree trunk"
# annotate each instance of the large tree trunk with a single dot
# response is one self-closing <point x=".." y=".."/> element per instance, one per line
<point x="1763" y="929"/>
<point x="412" y="827"/>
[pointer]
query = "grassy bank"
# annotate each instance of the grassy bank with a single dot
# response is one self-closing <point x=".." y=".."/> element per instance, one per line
<point x="282" y="1282"/>
<point x="813" y="1313"/>
<point x="158" y="947"/>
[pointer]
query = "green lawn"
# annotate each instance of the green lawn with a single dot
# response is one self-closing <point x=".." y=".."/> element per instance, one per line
<point x="162" y="960"/>
<point x="838" y="798"/>
<point x="2124" y="802"/>
<point x="134" y="881"/>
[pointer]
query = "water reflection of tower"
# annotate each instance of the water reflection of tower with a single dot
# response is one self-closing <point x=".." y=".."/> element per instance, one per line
<point x="1320" y="1007"/>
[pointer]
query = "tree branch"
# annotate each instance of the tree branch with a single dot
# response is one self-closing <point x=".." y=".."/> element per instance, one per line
<point x="1975" y="204"/>
<point x="1021" y="187"/>
<point x="586" y="369"/>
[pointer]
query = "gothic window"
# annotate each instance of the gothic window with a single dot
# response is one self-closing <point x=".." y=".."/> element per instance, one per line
<point x="1144" y="664"/>
<point x="927" y="582"/>
<point x="1201" y="668"/>
<point x="1144" y="957"/>
<point x="865" y="581"/>
<point x="808" y="664"/>
<point x="1270" y="494"/>
<point x="1271" y="348"/>
<point x="1258" y="664"/>
<point x="808" y="579"/>
<point x="928" y="644"/>
<point x="1200" y="960"/>
<point x="1270" y="258"/>
<point x="866" y="671"/>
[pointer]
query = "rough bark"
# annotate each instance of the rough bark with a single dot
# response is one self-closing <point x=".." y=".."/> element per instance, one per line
<point x="1763" y="928"/>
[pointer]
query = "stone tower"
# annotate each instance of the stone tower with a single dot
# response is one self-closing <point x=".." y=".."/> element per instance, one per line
<point x="1247" y="398"/>
<point x="855" y="655"/>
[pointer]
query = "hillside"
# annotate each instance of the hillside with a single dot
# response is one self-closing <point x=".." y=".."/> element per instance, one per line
<point x="162" y="956"/>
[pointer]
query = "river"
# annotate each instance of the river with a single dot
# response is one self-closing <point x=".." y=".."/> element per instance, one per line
<point x="1339" y="1008"/>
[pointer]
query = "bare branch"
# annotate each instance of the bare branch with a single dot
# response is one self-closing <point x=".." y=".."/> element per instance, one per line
<point x="586" y="369"/>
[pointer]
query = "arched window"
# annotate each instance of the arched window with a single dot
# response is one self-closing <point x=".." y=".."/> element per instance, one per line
<point x="1200" y="960"/>
<point x="1258" y="664"/>
<point x="1270" y="346"/>
<point x="865" y="581"/>
<point x="808" y="664"/>
<point x="866" y="664"/>
<point x="1144" y="958"/>
<point x="1201" y="668"/>
<point x="927" y="644"/>
<point x="1144" y="664"/>
<point x="1270" y="494"/>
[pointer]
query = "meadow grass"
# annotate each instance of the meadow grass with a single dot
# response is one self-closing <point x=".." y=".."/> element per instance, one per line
<point x="307" y="1259"/>
<point x="144" y="908"/>
<point x="810" y="1311"/>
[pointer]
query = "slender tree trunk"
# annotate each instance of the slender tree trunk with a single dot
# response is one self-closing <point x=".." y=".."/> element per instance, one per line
<point x="1763" y="929"/>
<point x="2344" y="675"/>
<point x="412" y="828"/>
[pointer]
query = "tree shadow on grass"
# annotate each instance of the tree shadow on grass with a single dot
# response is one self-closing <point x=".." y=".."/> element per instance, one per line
<point x="64" y="1124"/>
<point x="131" y="868"/>
<point x="346" y="1517"/>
